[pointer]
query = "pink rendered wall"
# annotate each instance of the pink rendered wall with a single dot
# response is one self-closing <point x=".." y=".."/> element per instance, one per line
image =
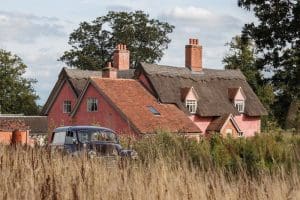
<point x="106" y="115"/>
<point x="239" y="95"/>
<point x="191" y="96"/>
<point x="56" y="117"/>
<point x="249" y="125"/>
<point x="201" y="122"/>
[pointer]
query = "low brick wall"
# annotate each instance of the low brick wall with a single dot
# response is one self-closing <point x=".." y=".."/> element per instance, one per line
<point x="5" y="137"/>
<point x="17" y="137"/>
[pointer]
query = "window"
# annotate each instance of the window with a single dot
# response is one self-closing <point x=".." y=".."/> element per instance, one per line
<point x="191" y="106"/>
<point x="153" y="110"/>
<point x="241" y="134"/>
<point x="92" y="105"/>
<point x="96" y="135"/>
<point x="69" y="137"/>
<point x="240" y="105"/>
<point x="67" y="106"/>
<point x="59" y="138"/>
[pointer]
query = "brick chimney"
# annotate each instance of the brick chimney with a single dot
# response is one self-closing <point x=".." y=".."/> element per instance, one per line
<point x="121" y="57"/>
<point x="109" y="71"/>
<point x="193" y="56"/>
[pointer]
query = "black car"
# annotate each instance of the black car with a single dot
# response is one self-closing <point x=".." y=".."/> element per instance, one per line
<point x="95" y="141"/>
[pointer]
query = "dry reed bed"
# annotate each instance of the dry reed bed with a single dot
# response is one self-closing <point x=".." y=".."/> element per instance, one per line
<point x="35" y="174"/>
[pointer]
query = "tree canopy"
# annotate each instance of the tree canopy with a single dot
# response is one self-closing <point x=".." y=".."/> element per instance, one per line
<point x="242" y="56"/>
<point x="277" y="39"/>
<point x="16" y="92"/>
<point x="93" y="43"/>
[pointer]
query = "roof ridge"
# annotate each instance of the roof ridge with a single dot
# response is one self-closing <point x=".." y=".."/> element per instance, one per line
<point x="112" y="79"/>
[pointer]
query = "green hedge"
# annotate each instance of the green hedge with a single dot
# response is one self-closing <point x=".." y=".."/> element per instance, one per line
<point x="265" y="152"/>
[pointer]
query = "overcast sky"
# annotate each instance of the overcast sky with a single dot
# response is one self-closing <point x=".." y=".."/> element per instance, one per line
<point x="38" y="30"/>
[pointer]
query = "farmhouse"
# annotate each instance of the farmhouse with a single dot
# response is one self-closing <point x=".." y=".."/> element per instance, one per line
<point x="191" y="99"/>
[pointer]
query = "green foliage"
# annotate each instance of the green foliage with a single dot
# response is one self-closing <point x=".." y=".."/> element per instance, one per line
<point x="93" y="43"/>
<point x="242" y="56"/>
<point x="277" y="38"/>
<point x="262" y="153"/>
<point x="16" y="92"/>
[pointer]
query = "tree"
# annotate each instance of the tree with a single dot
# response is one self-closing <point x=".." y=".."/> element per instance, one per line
<point x="93" y="43"/>
<point x="277" y="38"/>
<point x="16" y="92"/>
<point x="242" y="56"/>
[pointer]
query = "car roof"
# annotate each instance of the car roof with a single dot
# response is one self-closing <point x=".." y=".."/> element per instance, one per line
<point x="74" y="128"/>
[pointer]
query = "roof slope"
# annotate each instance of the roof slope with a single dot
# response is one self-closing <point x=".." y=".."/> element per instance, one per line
<point x="77" y="79"/>
<point x="210" y="85"/>
<point x="36" y="124"/>
<point x="133" y="100"/>
<point x="12" y="124"/>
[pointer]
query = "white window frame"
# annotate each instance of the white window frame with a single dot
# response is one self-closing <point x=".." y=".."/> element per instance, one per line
<point x="191" y="105"/>
<point x="240" y="105"/>
<point x="65" y="106"/>
<point x="240" y="134"/>
<point x="92" y="105"/>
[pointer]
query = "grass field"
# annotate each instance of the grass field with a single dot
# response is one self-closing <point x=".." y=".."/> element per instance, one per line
<point x="169" y="168"/>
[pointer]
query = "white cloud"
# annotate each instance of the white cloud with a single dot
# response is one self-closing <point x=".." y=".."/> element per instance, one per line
<point x="211" y="28"/>
<point x="26" y="28"/>
<point x="190" y="13"/>
<point x="39" y="41"/>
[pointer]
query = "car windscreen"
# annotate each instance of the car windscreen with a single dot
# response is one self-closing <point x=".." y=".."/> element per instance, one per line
<point x="95" y="135"/>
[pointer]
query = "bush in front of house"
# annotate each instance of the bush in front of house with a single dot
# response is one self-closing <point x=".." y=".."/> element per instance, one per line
<point x="263" y="153"/>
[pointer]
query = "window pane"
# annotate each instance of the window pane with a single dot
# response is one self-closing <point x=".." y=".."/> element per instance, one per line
<point x="59" y="138"/>
<point x="153" y="110"/>
<point x="240" y="105"/>
<point x="191" y="106"/>
<point x="92" y="105"/>
<point x="67" y="107"/>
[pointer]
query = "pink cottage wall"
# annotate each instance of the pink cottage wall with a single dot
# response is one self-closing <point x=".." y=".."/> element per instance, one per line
<point x="106" y="115"/>
<point x="239" y="96"/>
<point x="56" y="116"/>
<point x="248" y="125"/>
<point x="201" y="122"/>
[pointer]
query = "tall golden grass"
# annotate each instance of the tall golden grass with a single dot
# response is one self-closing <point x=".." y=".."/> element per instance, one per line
<point x="35" y="173"/>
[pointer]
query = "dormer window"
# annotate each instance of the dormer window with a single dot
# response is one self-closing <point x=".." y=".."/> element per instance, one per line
<point x="190" y="97"/>
<point x="237" y="97"/>
<point x="191" y="106"/>
<point x="240" y="105"/>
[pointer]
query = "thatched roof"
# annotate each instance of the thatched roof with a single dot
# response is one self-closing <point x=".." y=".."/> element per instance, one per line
<point x="210" y="85"/>
<point x="77" y="79"/>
